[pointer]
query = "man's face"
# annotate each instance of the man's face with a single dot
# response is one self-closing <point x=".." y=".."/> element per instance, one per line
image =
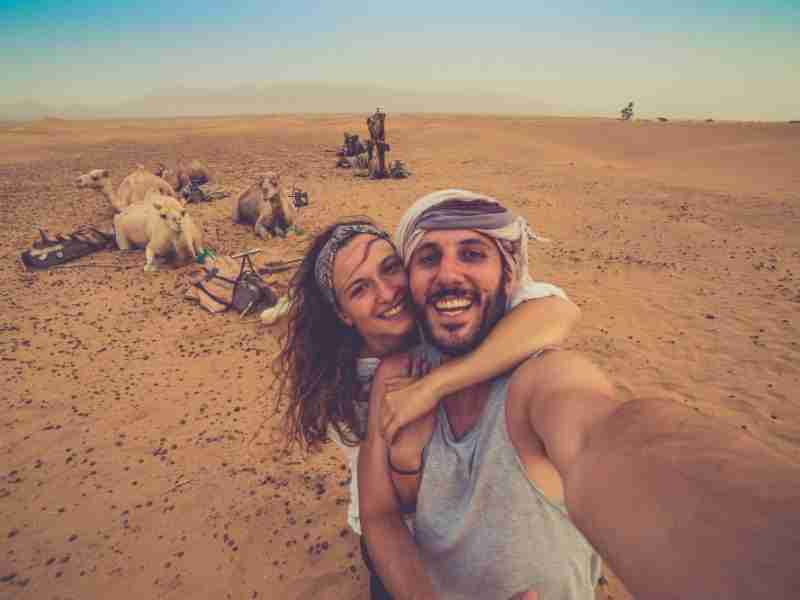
<point x="457" y="285"/>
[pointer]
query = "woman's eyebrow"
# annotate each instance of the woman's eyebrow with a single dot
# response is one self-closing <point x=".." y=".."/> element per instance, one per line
<point x="367" y="249"/>
<point x="353" y="283"/>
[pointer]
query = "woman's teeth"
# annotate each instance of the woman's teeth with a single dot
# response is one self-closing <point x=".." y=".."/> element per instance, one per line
<point x="395" y="310"/>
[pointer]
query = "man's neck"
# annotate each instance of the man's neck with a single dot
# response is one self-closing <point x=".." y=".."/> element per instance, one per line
<point x="464" y="408"/>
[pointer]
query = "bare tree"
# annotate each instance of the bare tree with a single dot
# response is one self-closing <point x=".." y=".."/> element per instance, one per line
<point x="627" y="112"/>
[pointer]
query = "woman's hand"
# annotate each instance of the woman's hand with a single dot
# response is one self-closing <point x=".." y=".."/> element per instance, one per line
<point x="407" y="399"/>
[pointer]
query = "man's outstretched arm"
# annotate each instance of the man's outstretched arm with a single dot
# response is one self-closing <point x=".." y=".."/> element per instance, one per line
<point x="390" y="545"/>
<point x="680" y="505"/>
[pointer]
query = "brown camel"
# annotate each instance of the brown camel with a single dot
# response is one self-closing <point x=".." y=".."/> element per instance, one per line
<point x="266" y="206"/>
<point x="184" y="173"/>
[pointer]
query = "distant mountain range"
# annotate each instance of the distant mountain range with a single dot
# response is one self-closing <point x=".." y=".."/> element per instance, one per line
<point x="284" y="98"/>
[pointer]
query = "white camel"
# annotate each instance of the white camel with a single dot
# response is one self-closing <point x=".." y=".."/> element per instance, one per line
<point x="133" y="189"/>
<point x="162" y="227"/>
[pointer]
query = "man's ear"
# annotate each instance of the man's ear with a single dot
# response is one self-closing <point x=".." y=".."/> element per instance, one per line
<point x="507" y="280"/>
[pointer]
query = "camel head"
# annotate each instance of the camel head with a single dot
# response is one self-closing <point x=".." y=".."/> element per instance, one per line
<point x="96" y="179"/>
<point x="171" y="215"/>
<point x="168" y="175"/>
<point x="270" y="184"/>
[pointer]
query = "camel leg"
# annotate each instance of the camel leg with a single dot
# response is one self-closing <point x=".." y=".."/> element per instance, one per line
<point x="235" y="212"/>
<point x="279" y="225"/>
<point x="259" y="228"/>
<point x="119" y="233"/>
<point x="184" y="251"/>
<point x="150" y="263"/>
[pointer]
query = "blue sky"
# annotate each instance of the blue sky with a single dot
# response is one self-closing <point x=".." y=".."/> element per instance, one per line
<point x="672" y="57"/>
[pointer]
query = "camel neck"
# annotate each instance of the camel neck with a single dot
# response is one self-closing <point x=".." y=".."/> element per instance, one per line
<point x="108" y="191"/>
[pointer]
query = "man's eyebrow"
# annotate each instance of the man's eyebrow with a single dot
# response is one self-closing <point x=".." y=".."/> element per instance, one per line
<point x="474" y="242"/>
<point x="426" y="246"/>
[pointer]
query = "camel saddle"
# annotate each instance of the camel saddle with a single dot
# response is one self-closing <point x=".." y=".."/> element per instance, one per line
<point x="222" y="283"/>
<point x="48" y="252"/>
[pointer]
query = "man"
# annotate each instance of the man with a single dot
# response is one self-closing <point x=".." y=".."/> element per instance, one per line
<point x="681" y="507"/>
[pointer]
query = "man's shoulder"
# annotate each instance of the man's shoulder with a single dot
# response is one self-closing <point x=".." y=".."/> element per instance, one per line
<point x="555" y="368"/>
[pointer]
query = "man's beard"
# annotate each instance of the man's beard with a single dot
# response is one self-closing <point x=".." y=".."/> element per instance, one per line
<point x="491" y="312"/>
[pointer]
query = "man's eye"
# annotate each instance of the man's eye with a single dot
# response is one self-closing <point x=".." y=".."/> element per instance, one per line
<point x="393" y="267"/>
<point x="473" y="255"/>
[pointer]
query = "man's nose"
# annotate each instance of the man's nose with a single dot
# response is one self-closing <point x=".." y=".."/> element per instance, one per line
<point x="450" y="270"/>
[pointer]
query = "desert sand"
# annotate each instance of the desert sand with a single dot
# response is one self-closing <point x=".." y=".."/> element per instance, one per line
<point x="140" y="451"/>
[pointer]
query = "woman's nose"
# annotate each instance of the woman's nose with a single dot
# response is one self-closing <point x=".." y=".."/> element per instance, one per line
<point x="386" y="290"/>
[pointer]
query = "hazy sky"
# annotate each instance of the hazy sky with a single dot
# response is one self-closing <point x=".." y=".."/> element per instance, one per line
<point x="733" y="58"/>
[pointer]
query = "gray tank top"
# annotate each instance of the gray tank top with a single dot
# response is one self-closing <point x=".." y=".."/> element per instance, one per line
<point x="484" y="529"/>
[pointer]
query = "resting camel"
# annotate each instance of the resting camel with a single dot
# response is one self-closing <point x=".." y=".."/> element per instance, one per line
<point x="162" y="227"/>
<point x="132" y="190"/>
<point x="184" y="173"/>
<point x="264" y="205"/>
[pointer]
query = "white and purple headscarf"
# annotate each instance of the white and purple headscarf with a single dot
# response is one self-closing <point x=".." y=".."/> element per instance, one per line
<point x="461" y="209"/>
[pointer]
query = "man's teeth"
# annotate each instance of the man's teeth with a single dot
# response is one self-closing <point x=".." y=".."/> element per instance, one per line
<point x="453" y="304"/>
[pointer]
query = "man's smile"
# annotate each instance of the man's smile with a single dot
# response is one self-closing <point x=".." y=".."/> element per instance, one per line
<point x="453" y="303"/>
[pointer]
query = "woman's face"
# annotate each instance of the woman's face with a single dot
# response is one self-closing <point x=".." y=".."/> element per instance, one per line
<point x="371" y="288"/>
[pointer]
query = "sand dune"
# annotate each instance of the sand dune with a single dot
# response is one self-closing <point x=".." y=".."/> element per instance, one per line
<point x="140" y="450"/>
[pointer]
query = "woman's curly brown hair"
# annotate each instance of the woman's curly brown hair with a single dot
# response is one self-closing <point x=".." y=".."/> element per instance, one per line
<point x="316" y="368"/>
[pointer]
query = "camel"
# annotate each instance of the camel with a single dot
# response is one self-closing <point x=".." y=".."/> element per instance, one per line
<point x="162" y="227"/>
<point x="184" y="173"/>
<point x="360" y="161"/>
<point x="266" y="206"/>
<point x="377" y="144"/>
<point x="352" y="146"/>
<point x="132" y="190"/>
<point x="376" y="126"/>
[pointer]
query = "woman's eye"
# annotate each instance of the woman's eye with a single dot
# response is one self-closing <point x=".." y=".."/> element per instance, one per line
<point x="357" y="291"/>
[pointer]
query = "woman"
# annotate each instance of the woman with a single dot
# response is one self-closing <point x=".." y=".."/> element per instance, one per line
<point x="349" y="309"/>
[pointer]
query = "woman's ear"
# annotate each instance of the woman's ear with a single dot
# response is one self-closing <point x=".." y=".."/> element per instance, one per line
<point x="344" y="318"/>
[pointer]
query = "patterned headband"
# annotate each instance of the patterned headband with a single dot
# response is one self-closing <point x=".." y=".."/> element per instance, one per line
<point x="342" y="234"/>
